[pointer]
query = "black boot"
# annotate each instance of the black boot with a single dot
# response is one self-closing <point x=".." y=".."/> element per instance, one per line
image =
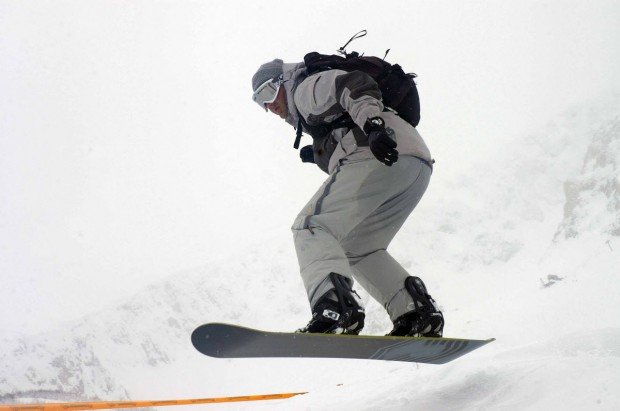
<point x="337" y="312"/>
<point x="425" y="320"/>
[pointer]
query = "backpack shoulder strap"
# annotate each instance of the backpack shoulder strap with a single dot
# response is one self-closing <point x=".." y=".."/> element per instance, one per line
<point x="316" y="62"/>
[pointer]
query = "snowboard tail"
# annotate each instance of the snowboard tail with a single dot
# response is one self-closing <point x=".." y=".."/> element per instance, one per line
<point x="230" y="341"/>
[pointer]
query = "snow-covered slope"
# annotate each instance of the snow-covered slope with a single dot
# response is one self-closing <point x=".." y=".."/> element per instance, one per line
<point x="593" y="197"/>
<point x="522" y="246"/>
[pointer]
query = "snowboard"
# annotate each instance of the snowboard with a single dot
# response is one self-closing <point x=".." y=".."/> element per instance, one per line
<point x="232" y="341"/>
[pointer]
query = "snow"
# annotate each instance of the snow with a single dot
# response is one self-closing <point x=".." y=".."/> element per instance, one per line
<point x="118" y="240"/>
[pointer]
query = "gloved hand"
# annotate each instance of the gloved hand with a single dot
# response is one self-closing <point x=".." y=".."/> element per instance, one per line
<point x="382" y="146"/>
<point x="306" y="154"/>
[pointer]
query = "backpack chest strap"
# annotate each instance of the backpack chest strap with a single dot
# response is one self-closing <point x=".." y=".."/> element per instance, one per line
<point x="321" y="130"/>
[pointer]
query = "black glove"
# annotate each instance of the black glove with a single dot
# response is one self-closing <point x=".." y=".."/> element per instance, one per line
<point x="307" y="154"/>
<point x="380" y="141"/>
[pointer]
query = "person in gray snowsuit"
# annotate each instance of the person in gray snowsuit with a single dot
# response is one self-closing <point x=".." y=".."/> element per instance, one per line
<point x="378" y="168"/>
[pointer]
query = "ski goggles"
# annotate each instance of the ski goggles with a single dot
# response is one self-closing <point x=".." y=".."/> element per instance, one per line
<point x="267" y="92"/>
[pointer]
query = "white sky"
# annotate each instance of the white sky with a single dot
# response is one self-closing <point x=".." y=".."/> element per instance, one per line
<point x="130" y="148"/>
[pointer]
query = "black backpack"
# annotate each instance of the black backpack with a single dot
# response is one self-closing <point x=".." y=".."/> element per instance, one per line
<point x="398" y="88"/>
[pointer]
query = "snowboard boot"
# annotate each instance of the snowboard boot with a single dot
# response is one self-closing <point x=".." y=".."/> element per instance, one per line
<point x="425" y="320"/>
<point x="339" y="311"/>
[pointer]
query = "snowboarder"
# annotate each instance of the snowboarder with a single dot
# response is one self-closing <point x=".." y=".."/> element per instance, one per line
<point x="379" y="167"/>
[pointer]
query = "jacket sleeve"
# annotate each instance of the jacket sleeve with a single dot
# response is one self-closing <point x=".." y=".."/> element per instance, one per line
<point x="325" y="95"/>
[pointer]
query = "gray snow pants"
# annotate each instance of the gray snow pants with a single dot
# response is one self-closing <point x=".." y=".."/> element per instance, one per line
<point x="349" y="223"/>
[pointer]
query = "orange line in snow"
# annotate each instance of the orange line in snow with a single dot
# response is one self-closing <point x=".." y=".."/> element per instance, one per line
<point x="75" y="406"/>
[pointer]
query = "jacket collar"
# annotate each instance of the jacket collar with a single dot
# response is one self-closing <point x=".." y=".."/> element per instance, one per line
<point x="294" y="73"/>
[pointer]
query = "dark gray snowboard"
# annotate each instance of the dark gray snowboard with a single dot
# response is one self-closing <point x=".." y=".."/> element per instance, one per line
<point x="231" y="341"/>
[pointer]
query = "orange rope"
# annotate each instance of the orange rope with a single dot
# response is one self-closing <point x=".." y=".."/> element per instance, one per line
<point x="74" y="406"/>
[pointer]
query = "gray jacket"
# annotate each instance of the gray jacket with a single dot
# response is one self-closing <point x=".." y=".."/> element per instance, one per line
<point x="325" y="96"/>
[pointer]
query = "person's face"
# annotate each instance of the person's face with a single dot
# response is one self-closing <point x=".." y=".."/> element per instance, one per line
<point x="279" y="106"/>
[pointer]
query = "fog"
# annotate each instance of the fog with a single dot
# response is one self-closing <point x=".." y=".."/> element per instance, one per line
<point x="130" y="148"/>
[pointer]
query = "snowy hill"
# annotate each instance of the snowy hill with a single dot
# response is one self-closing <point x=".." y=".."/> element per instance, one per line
<point x="522" y="246"/>
<point x="593" y="197"/>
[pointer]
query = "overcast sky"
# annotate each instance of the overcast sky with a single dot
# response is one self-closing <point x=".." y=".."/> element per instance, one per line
<point x="130" y="148"/>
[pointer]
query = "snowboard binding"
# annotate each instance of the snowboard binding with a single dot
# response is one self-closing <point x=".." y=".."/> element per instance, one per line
<point x="425" y="320"/>
<point x="339" y="311"/>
